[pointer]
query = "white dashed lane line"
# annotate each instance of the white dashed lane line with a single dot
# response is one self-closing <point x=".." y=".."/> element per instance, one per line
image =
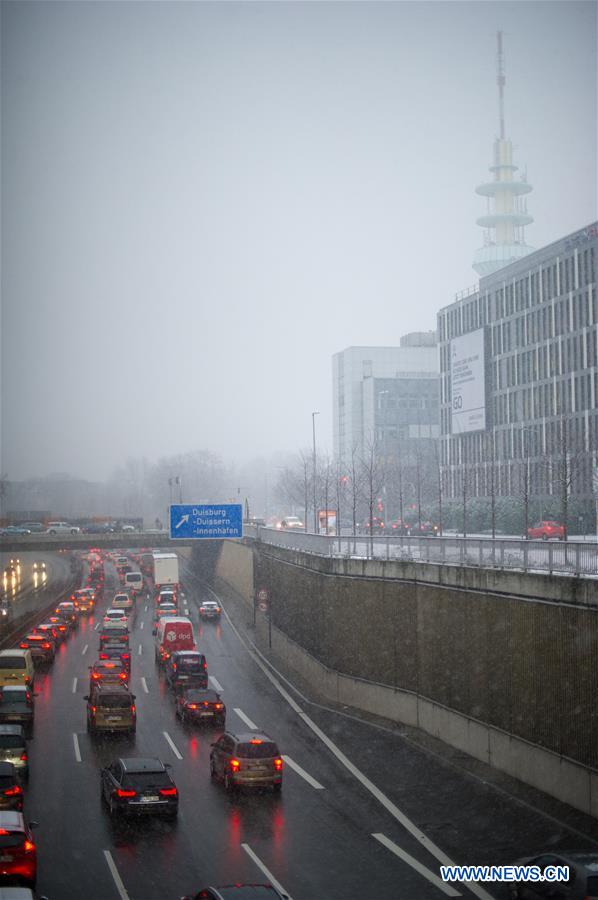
<point x="246" y="719"/>
<point x="297" y="768"/>
<point x="140" y="650"/>
<point x="216" y="684"/>
<point x="77" y="750"/>
<point x="415" y="864"/>
<point x="74" y="685"/>
<point x="173" y="746"/>
<point x="142" y="624"/>
<point x="84" y="651"/>
<point x="144" y="685"/>
<point x="263" y="868"/>
<point x="117" y="879"/>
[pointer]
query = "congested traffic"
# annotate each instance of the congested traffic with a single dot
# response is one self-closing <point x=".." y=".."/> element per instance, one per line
<point x="132" y="785"/>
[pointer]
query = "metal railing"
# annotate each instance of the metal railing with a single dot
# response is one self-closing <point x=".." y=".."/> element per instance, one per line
<point x="566" y="557"/>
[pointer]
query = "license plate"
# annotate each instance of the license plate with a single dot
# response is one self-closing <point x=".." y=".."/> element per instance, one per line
<point x="114" y="719"/>
<point x="206" y="714"/>
<point x="6" y="858"/>
<point x="151" y="799"/>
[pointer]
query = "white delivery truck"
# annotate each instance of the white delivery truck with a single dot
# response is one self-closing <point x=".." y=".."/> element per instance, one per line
<point x="166" y="569"/>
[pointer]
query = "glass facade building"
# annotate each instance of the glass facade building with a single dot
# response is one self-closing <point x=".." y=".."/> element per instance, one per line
<point x="539" y="317"/>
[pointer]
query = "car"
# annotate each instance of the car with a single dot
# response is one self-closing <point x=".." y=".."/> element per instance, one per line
<point x="583" y="876"/>
<point x="110" y="707"/>
<point x="63" y="626"/>
<point x="249" y="760"/>
<point x="115" y="634"/>
<point x="291" y="523"/>
<point x="113" y="650"/>
<point x="139" y="786"/>
<point x="39" y="566"/>
<point x="84" y="599"/>
<point x="98" y="528"/>
<point x="376" y="526"/>
<point x="425" y="528"/>
<point x="16" y="667"/>
<point x="15" y="529"/>
<point x="114" y="616"/>
<point x="238" y="892"/>
<point x="68" y="611"/>
<point x="11" y="792"/>
<point x="167" y="609"/>
<point x="166" y="596"/>
<point x="547" y="530"/>
<point x="42" y="647"/>
<point x="34" y="527"/>
<point x="18" y="853"/>
<point x="13" y="748"/>
<point x="16" y="706"/>
<point x="50" y="631"/>
<point x="200" y="705"/>
<point x="186" y="667"/>
<point x="62" y="528"/>
<point x="398" y="527"/>
<point x="108" y="671"/>
<point x="127" y="529"/>
<point x="122" y="602"/>
<point x="209" y="609"/>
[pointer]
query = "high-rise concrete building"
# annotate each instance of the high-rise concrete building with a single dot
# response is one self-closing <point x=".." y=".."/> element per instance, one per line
<point x="519" y="376"/>
<point x="506" y="214"/>
<point x="385" y="394"/>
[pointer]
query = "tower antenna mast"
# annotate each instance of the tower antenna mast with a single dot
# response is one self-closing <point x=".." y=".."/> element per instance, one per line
<point x="500" y="80"/>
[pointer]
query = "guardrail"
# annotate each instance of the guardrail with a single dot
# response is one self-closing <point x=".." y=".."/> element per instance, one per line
<point x="566" y="557"/>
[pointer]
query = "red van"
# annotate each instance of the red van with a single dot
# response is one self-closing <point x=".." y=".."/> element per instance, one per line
<point x="174" y="633"/>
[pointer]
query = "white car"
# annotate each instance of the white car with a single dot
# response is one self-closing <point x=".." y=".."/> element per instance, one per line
<point x="62" y="528"/>
<point x="122" y="603"/>
<point x="292" y="523"/>
<point x="116" y="616"/>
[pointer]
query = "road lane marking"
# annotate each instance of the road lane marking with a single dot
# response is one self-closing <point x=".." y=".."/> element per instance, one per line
<point x="423" y="870"/>
<point x="172" y="744"/>
<point x="404" y="820"/>
<point x="142" y="624"/>
<point x="74" y="685"/>
<point x="265" y="870"/>
<point x="216" y="683"/>
<point x="297" y="768"/>
<point x="145" y="607"/>
<point x="117" y="879"/>
<point x="144" y="685"/>
<point x="140" y="649"/>
<point x="246" y="719"/>
<point x="77" y="750"/>
<point x="84" y="651"/>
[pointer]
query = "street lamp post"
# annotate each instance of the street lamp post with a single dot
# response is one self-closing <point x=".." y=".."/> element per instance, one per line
<point x="313" y="428"/>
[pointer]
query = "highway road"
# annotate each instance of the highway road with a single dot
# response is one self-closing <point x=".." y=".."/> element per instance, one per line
<point x="365" y="811"/>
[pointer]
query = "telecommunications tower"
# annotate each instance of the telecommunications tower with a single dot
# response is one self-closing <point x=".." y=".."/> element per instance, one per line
<point x="506" y="213"/>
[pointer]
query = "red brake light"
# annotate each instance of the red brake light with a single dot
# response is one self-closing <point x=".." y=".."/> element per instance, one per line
<point x="122" y="676"/>
<point x="13" y="791"/>
<point x="133" y="709"/>
<point x="93" y="709"/>
<point x="125" y="655"/>
<point x="191" y="705"/>
<point x="121" y="793"/>
<point x="168" y="792"/>
<point x="278" y="764"/>
<point x="255" y="741"/>
<point x="23" y="757"/>
<point x="104" y="656"/>
<point x="24" y="645"/>
<point x="4" y="831"/>
<point x="46" y="645"/>
<point x="95" y="675"/>
<point x="28" y="846"/>
<point x="235" y="765"/>
<point x="218" y="706"/>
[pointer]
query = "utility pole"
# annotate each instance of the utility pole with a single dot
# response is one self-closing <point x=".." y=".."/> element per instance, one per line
<point x="313" y="428"/>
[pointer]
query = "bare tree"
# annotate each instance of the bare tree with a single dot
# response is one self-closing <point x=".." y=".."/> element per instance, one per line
<point x="491" y="477"/>
<point x="341" y="482"/>
<point x="373" y="479"/>
<point x="565" y="471"/>
<point x="355" y="478"/>
<point x="439" y="483"/>
<point x="304" y="459"/>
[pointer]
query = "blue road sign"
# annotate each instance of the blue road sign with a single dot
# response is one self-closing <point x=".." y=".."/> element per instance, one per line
<point x="206" y="520"/>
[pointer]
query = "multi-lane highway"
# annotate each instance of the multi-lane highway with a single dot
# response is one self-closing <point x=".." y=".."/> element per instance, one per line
<point x="365" y="811"/>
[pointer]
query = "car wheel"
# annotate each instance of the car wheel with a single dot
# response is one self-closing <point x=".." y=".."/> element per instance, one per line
<point x="51" y="532"/>
<point x="212" y="769"/>
<point x="111" y="806"/>
<point x="73" y="531"/>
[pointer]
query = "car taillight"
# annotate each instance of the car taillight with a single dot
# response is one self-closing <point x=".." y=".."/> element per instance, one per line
<point x="95" y="675"/>
<point x="23" y="757"/>
<point x="46" y="646"/>
<point x="27" y="680"/>
<point x="29" y="847"/>
<point x="218" y="705"/>
<point x="126" y="655"/>
<point x="122" y="676"/>
<point x="24" y="645"/>
<point x="205" y="665"/>
<point x="168" y="792"/>
<point x="134" y="710"/>
<point x="278" y="764"/>
<point x="13" y="791"/>
<point x="104" y="656"/>
<point x="121" y="793"/>
<point x="191" y="705"/>
<point x="235" y="765"/>
<point x="93" y="709"/>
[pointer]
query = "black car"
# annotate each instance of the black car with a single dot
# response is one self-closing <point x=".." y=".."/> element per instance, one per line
<point x="582" y="883"/>
<point x="239" y="892"/>
<point x="98" y="528"/>
<point x="11" y="792"/>
<point x="16" y="706"/>
<point x="116" y="651"/>
<point x="186" y="667"/>
<point x="200" y="705"/>
<point x="141" y="786"/>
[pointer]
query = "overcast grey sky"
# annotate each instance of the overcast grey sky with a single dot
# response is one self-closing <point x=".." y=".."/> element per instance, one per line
<point x="202" y="202"/>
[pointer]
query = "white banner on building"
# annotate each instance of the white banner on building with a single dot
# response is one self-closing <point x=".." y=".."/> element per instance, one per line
<point x="468" y="383"/>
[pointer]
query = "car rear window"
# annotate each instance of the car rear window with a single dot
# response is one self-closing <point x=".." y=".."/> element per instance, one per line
<point x="143" y="780"/>
<point x="10" y="741"/>
<point x="12" y="662"/>
<point x="12" y="839"/>
<point x="9" y="695"/>
<point x="190" y="662"/>
<point x="265" y="750"/>
<point x="114" y="701"/>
